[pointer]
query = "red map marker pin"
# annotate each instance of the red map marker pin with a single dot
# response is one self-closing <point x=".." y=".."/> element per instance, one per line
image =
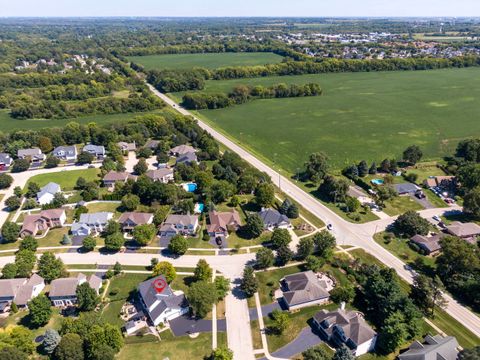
<point x="159" y="285"/>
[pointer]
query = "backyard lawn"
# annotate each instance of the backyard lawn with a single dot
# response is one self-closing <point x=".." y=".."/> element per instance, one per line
<point x="400" y="204"/>
<point x="66" y="179"/>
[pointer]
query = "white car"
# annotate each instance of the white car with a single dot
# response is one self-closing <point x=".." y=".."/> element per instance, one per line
<point x="436" y="218"/>
<point x="329" y="226"/>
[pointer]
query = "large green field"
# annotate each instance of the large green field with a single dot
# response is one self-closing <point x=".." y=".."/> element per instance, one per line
<point x="209" y="61"/>
<point x="367" y="116"/>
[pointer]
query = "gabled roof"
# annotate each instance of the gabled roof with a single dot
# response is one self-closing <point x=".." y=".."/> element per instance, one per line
<point x="463" y="229"/>
<point x="431" y="243"/>
<point x="152" y="144"/>
<point x="304" y="287"/>
<point x="138" y="218"/>
<point x="5" y="158"/>
<point x="94" y="149"/>
<point x="95" y="282"/>
<point x="182" y="149"/>
<point x="9" y="287"/>
<point x="433" y="348"/>
<point x="184" y="220"/>
<point x="220" y="220"/>
<point x="50" y="188"/>
<point x="29" y="222"/>
<point x="118" y="176"/>
<point x="68" y="150"/>
<point x="65" y="287"/>
<point x="187" y="158"/>
<point x="25" y="292"/>
<point x="126" y="146"/>
<point x="29" y="152"/>
<point x="95" y="218"/>
<point x="272" y="216"/>
<point x="406" y="188"/>
<point x="159" y="173"/>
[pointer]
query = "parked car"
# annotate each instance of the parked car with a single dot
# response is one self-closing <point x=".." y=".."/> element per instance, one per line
<point x="436" y="218"/>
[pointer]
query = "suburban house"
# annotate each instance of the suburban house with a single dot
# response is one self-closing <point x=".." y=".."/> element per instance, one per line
<point x="188" y="158"/>
<point x="429" y="244"/>
<point x="152" y="144"/>
<point x="96" y="150"/>
<point x="93" y="223"/>
<point x="222" y="222"/>
<point x="63" y="291"/>
<point x="125" y="147"/>
<point x="440" y="181"/>
<point x="163" y="175"/>
<point x="47" y="193"/>
<point x="345" y="327"/>
<point x="406" y="189"/>
<point x="45" y="220"/>
<point x="129" y="220"/>
<point x="113" y="177"/>
<point x="35" y="155"/>
<point x="467" y="231"/>
<point x="179" y="224"/>
<point x="432" y="348"/>
<point x="182" y="150"/>
<point x="272" y="220"/>
<point x="160" y="302"/>
<point x="303" y="289"/>
<point x="65" y="152"/>
<point x="20" y="291"/>
<point x="5" y="161"/>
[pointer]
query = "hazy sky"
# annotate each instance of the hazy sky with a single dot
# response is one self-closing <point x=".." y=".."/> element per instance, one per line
<point x="240" y="8"/>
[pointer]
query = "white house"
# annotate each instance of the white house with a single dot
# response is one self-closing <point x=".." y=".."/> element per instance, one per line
<point x="65" y="152"/>
<point x="19" y="291"/>
<point x="93" y="223"/>
<point x="47" y="193"/>
<point x="63" y="291"/>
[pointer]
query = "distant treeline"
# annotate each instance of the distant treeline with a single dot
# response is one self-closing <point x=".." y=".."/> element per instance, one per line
<point x="173" y="81"/>
<point x="241" y="94"/>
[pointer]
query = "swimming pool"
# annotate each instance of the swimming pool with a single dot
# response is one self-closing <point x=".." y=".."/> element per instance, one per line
<point x="377" y="181"/>
<point x="190" y="187"/>
<point x="198" y="209"/>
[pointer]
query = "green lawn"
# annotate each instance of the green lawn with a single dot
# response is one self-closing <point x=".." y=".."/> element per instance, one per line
<point x="367" y="116"/>
<point x="400" y="204"/>
<point x="104" y="206"/>
<point x="209" y="61"/>
<point x="66" y="179"/>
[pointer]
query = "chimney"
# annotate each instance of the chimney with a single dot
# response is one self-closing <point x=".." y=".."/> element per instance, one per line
<point x="342" y="305"/>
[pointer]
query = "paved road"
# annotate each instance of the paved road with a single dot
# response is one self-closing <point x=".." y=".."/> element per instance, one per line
<point x="345" y="232"/>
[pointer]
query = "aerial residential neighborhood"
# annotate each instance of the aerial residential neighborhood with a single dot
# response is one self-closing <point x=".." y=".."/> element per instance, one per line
<point x="259" y="180"/>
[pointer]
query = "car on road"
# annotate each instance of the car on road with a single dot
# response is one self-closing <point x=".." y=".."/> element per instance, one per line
<point x="329" y="226"/>
<point x="407" y="267"/>
<point x="436" y="218"/>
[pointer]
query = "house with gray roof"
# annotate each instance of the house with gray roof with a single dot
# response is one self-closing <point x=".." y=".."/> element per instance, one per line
<point x="164" y="175"/>
<point x="35" y="155"/>
<point x="63" y="291"/>
<point x="129" y="220"/>
<point x="406" y="189"/>
<point x="430" y="245"/>
<point x="113" y="177"/>
<point x="188" y="158"/>
<point x="5" y="161"/>
<point x="160" y="302"/>
<point x="152" y="144"/>
<point x="47" y="193"/>
<point x="96" y="150"/>
<point x="19" y="291"/>
<point x="303" y="289"/>
<point x="91" y="223"/>
<point x="272" y="220"/>
<point x="433" y="348"/>
<point x="124" y="146"/>
<point x="345" y="327"/>
<point x="182" y="150"/>
<point x="65" y="152"/>
<point x="179" y="224"/>
<point x="467" y="231"/>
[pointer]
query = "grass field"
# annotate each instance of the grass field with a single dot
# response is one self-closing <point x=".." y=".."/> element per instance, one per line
<point x="360" y="116"/>
<point x="209" y="61"/>
<point x="66" y="179"/>
<point x="7" y="123"/>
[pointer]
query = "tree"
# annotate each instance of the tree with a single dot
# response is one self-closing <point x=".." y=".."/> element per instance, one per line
<point x="40" y="310"/>
<point x="50" y="268"/>
<point x="412" y="154"/>
<point x="29" y="243"/>
<point x="113" y="337"/>
<point x="221" y="190"/>
<point x="426" y="293"/>
<point x="178" y="245"/>
<point x="292" y="212"/>
<point x="385" y="193"/>
<point x="114" y="242"/>
<point x="11" y="353"/>
<point x="203" y="271"/>
<point x="102" y="352"/>
<point x="85" y="158"/>
<point x="221" y="353"/>
<point x="10" y="231"/>
<point x="32" y="189"/>
<point x="325" y="242"/>
<point x="117" y="268"/>
<point x="334" y="189"/>
<point x="130" y="202"/>
<point x="20" y="165"/>
<point x="51" y="339"/>
<point x="87" y="298"/>
<point x="249" y="283"/>
<point x="143" y="234"/>
<point x="316" y="167"/>
<point x="280" y="237"/>
<point x="201" y="295"/>
<point x="362" y="168"/>
<point x="89" y="243"/>
<point x="265" y="258"/>
<point x="70" y="348"/>
<point x="471" y="202"/>
<point x="373" y="169"/>
<point x="470" y="354"/>
<point x="254" y="225"/>
<point x="66" y="240"/>
<point x="222" y="285"/>
<point x="265" y="195"/>
<point x="45" y="144"/>
<point x="411" y="223"/>
<point x="5" y="181"/>
<point x="9" y="271"/>
<point x="204" y="180"/>
<point x="166" y="269"/>
<point x="314" y="263"/>
<point x="281" y="321"/>
<point x="316" y="353"/>
<point x="284" y="255"/>
<point x="393" y="333"/>
<point x="13" y="203"/>
<point x="112" y="227"/>
<point x="342" y="294"/>
<point x="343" y="353"/>
<point x="352" y="204"/>
<point x="25" y="261"/>
<point x="385" y="166"/>
<point x="52" y="162"/>
<point x="141" y="167"/>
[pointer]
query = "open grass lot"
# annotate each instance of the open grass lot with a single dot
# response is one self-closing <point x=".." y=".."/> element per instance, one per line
<point x="400" y="204"/>
<point x="367" y="116"/>
<point x="7" y="123"/>
<point x="66" y="179"/>
<point x="209" y="61"/>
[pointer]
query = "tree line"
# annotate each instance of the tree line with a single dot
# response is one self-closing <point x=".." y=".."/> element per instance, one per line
<point x="242" y="93"/>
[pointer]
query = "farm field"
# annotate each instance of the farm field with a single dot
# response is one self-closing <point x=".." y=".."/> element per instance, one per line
<point x="367" y="116"/>
<point x="7" y="123"/>
<point x="209" y="61"/>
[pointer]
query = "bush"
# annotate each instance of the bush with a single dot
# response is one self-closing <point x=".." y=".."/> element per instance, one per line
<point x="5" y="181"/>
<point x="178" y="245"/>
